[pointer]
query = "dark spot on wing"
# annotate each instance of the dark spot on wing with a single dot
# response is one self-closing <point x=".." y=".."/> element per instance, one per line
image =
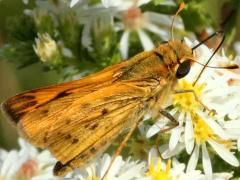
<point x="103" y="143"/>
<point x="44" y="111"/>
<point x="62" y="94"/>
<point x="17" y="116"/>
<point x="60" y="168"/>
<point x="107" y="98"/>
<point x="82" y="156"/>
<point x="67" y="121"/>
<point x="45" y="137"/>
<point x="94" y="126"/>
<point x="86" y="105"/>
<point x="60" y="133"/>
<point x="93" y="150"/>
<point x="104" y="111"/>
<point x="21" y="98"/>
<point x="68" y="136"/>
<point x="74" y="141"/>
<point x="25" y="106"/>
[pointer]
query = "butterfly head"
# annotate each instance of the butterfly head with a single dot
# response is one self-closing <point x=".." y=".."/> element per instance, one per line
<point x="177" y="57"/>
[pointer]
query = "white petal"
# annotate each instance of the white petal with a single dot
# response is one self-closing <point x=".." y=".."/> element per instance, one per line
<point x="207" y="166"/>
<point x="73" y="3"/>
<point x="232" y="124"/>
<point x="145" y="40"/>
<point x="154" y="129"/>
<point x="192" y="163"/>
<point x="181" y="118"/>
<point x="110" y="3"/>
<point x="120" y="5"/>
<point x="86" y="38"/>
<point x="124" y="44"/>
<point x="155" y="29"/>
<point x="157" y="18"/>
<point x="222" y="176"/>
<point x="237" y="58"/>
<point x="116" y="166"/>
<point x="152" y="156"/>
<point x="175" y="136"/>
<point x="141" y="2"/>
<point x="238" y="144"/>
<point x="189" y="134"/>
<point x="166" y="153"/>
<point x="25" y="1"/>
<point x="189" y="42"/>
<point x="224" y="153"/>
<point x="236" y="46"/>
<point x="103" y="164"/>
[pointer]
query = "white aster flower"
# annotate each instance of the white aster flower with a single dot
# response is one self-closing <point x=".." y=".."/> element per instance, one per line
<point x="158" y="169"/>
<point x="199" y="126"/>
<point x="133" y="20"/>
<point x="27" y="163"/>
<point x="46" y="48"/>
<point x="120" y="169"/>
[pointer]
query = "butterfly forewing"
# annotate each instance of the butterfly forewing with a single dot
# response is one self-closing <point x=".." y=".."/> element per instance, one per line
<point x="79" y="119"/>
<point x="20" y="105"/>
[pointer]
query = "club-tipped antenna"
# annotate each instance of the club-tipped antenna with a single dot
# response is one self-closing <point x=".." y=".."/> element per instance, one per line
<point x="219" y="45"/>
<point x="233" y="66"/>
<point x="180" y="8"/>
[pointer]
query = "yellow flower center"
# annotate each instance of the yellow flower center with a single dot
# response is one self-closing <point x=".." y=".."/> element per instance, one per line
<point x="158" y="173"/>
<point x="92" y="178"/>
<point x="133" y="18"/>
<point x="186" y="102"/>
<point x="202" y="132"/>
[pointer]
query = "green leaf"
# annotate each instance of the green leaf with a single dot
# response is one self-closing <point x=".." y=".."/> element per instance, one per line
<point x="19" y="53"/>
<point x="70" y="31"/>
<point x="44" y="22"/>
<point x="21" y="28"/>
<point x="194" y="17"/>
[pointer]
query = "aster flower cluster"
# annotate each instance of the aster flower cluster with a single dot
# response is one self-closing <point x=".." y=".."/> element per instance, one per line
<point x="78" y="37"/>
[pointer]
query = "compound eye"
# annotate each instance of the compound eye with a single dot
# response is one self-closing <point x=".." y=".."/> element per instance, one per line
<point x="183" y="69"/>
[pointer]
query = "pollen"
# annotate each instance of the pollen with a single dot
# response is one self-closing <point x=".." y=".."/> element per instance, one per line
<point x="92" y="178"/>
<point x="158" y="173"/>
<point x="134" y="18"/>
<point x="28" y="169"/>
<point x="202" y="132"/>
<point x="186" y="102"/>
<point x="226" y="143"/>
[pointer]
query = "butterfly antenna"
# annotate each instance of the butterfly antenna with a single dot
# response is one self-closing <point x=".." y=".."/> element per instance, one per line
<point x="234" y="66"/>
<point x="180" y="8"/>
<point x="219" y="45"/>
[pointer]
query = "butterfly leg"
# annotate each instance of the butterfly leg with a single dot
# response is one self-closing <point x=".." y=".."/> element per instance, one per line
<point x="171" y="118"/>
<point x="120" y="147"/>
<point x="211" y="111"/>
<point x="175" y="123"/>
